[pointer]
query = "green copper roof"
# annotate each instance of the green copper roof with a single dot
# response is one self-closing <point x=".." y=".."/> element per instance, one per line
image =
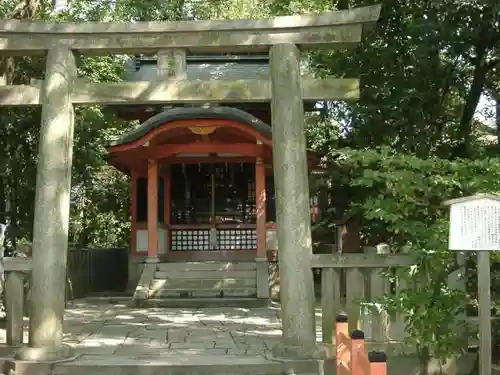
<point x="176" y="114"/>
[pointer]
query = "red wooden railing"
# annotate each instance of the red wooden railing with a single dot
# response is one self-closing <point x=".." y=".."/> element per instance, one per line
<point x="352" y="358"/>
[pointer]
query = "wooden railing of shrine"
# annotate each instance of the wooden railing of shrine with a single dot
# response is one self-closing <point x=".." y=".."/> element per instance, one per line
<point x="353" y="283"/>
<point x="352" y="357"/>
<point x="16" y="271"/>
<point x="85" y="275"/>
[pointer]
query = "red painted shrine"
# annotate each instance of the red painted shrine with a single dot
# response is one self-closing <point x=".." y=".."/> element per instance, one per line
<point x="201" y="184"/>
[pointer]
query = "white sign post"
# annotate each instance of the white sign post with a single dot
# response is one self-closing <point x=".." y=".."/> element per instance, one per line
<point x="475" y="226"/>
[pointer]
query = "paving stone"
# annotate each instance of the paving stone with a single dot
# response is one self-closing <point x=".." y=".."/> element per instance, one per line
<point x="103" y="350"/>
<point x="136" y="350"/>
<point x="176" y="335"/>
<point x="193" y="345"/>
<point x="137" y="341"/>
<point x="136" y="333"/>
<point x="130" y="350"/>
<point x="155" y="326"/>
<point x="257" y="352"/>
<point x="224" y="336"/>
<point x="196" y="339"/>
<point x="117" y="332"/>
<point x="236" y="351"/>
<point x="76" y="338"/>
<point x="159" y="334"/>
<point x="114" y="333"/>
<point x="227" y="345"/>
<point x="205" y="351"/>
<point x="156" y="345"/>
<point x="242" y="345"/>
<point x="271" y="343"/>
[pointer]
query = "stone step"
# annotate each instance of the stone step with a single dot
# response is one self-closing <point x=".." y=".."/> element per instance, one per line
<point x="205" y="302"/>
<point x="206" y="266"/>
<point x="185" y="364"/>
<point x="215" y="283"/>
<point x="209" y="292"/>
<point x="182" y="274"/>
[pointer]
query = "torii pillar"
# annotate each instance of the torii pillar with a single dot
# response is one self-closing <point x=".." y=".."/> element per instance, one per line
<point x="51" y="222"/>
<point x="292" y="206"/>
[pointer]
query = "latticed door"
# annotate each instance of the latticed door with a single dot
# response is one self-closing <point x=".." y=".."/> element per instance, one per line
<point x="235" y="206"/>
<point x="213" y="207"/>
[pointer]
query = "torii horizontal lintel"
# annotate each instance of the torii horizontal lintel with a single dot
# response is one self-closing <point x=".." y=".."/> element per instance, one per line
<point x="171" y="91"/>
<point x="331" y="30"/>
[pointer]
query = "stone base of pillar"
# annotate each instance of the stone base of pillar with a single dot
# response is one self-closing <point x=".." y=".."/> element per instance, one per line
<point x="262" y="266"/>
<point x="61" y="353"/>
<point x="135" y="267"/>
<point x="298" y="351"/>
<point x="142" y="290"/>
<point x="152" y="259"/>
<point x="27" y="367"/>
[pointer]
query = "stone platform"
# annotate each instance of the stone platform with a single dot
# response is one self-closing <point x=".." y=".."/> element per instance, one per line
<point x="116" y="339"/>
<point x="119" y="331"/>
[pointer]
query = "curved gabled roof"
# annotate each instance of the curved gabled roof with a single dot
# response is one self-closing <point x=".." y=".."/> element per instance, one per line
<point x="180" y="114"/>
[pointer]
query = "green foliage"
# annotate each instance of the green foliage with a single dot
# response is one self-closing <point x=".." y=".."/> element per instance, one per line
<point x="400" y="197"/>
<point x="416" y="69"/>
<point x="405" y="192"/>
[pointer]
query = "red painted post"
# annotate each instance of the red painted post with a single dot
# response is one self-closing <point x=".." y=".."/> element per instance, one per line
<point x="260" y="193"/>
<point x="341" y="343"/>
<point x="351" y="358"/>
<point x="378" y="363"/>
<point x="341" y="327"/>
<point x="133" y="211"/>
<point x="357" y="351"/>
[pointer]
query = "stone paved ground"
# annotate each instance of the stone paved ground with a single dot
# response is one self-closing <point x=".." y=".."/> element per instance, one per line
<point x="120" y="331"/>
<point x="119" y="336"/>
<point x="106" y="330"/>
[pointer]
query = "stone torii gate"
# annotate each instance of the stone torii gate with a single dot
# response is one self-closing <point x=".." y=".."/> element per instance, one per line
<point x="283" y="37"/>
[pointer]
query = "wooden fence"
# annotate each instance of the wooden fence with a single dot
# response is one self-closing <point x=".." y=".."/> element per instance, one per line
<point x="96" y="271"/>
<point x="89" y="271"/>
<point x="352" y="283"/>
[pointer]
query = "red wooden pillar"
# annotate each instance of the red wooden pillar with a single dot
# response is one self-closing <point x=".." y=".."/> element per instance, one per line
<point x="260" y="187"/>
<point x="133" y="211"/>
<point x="152" y="208"/>
<point x="166" y="204"/>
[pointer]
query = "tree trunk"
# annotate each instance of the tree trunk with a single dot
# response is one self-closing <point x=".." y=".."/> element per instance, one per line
<point x="3" y="229"/>
<point x="424" y="359"/>
<point x="342" y="4"/>
<point x="25" y="9"/>
<point x="476" y="89"/>
<point x="481" y="69"/>
<point x="461" y="364"/>
<point x="497" y="117"/>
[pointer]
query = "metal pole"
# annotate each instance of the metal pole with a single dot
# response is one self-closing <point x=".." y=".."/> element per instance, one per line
<point x="484" y="302"/>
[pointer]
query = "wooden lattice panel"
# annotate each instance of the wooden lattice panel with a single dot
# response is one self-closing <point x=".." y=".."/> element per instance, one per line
<point x="237" y="239"/>
<point x="190" y="240"/>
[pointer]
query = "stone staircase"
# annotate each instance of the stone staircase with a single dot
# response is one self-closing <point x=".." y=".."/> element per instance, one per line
<point x="205" y="283"/>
